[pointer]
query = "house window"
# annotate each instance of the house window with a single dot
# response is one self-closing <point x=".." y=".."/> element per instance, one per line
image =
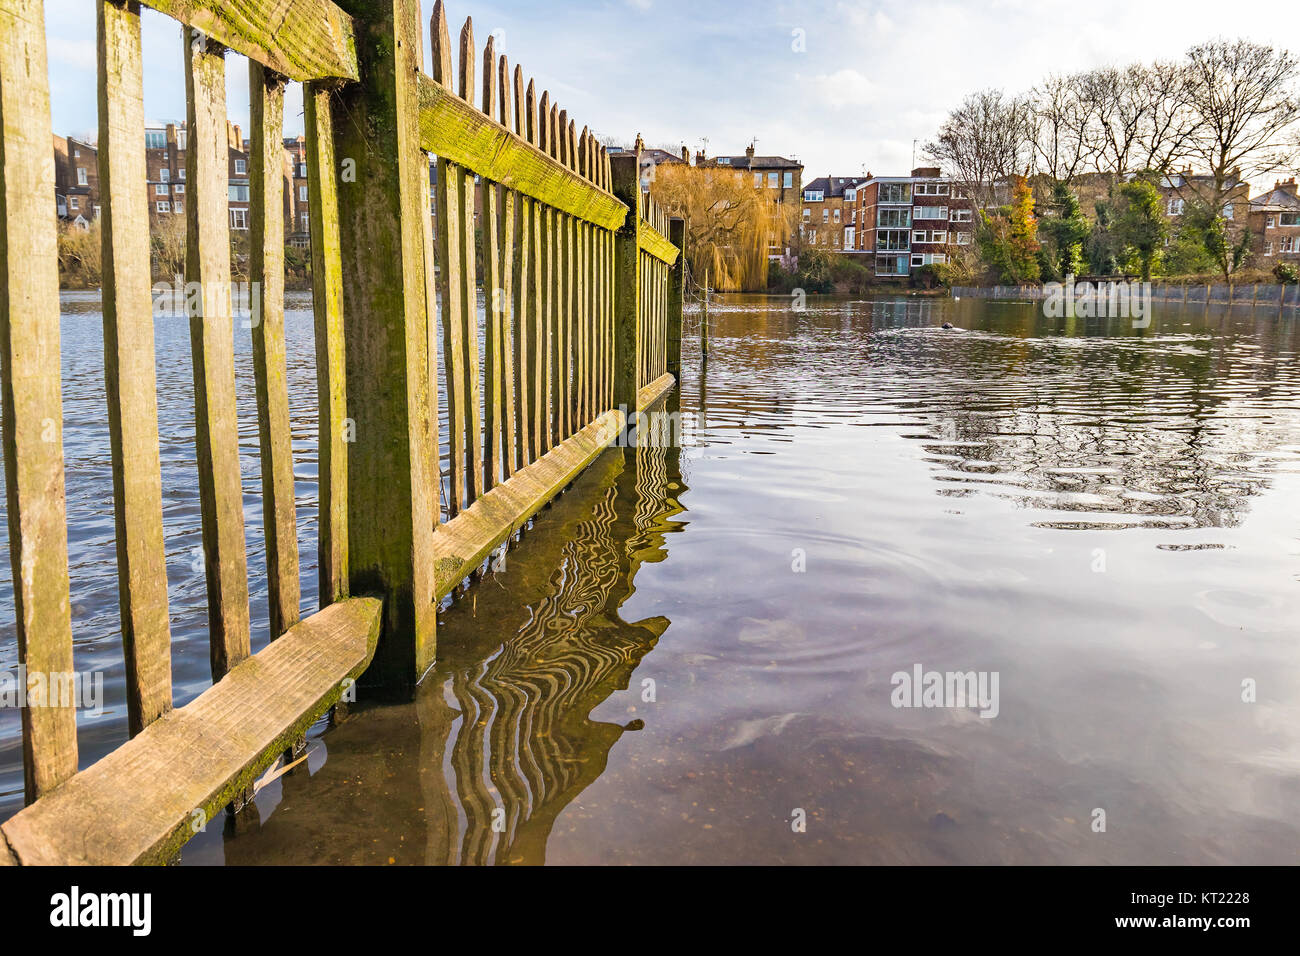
<point x="72" y="203"/>
<point x="302" y="194"/>
<point x="894" y="218"/>
<point x="896" y="192"/>
<point x="239" y="219"/>
<point x="1175" y="207"/>
<point x="724" y="160"/>
<point x="807" y="213"/>
<point x="961" y="215"/>
<point x="180" y="173"/>
<point x="155" y="139"/>
<point x="837" y="238"/>
<point x="177" y="207"/>
<point x="837" y="215"/>
<point x="241" y="167"/>
<point x="1227" y="211"/>
<point x="160" y="189"/>
<point x="848" y="237"/>
<point x="891" y="240"/>
<point x="891" y="265"/>
<point x="1290" y="244"/>
<point x="178" y="188"/>
<point x="812" y="237"/>
<point x="306" y="222"/>
<point x="1289" y="219"/>
<point x="163" y="206"/>
<point x="76" y="153"/>
<point x="771" y="180"/>
<point x="81" y="176"/>
<point x="814" y="195"/>
<point x="238" y="192"/>
<point x="931" y="189"/>
<point x="758" y="180"/>
<point x="918" y="236"/>
<point x="826" y="215"/>
<point x="165" y="174"/>
<point x="930" y="212"/>
<point x="180" y="139"/>
<point x="302" y="170"/>
<point x="963" y="238"/>
<point x="788" y="182"/>
<point x="1268" y="248"/>
<point x="1269" y="224"/>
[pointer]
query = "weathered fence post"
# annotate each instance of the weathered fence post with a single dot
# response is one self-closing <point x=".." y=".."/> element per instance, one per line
<point x="626" y="168"/>
<point x="392" y="497"/>
<point x="676" y="294"/>
<point x="32" y="397"/>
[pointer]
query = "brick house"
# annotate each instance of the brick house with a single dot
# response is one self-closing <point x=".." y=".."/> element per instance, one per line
<point x="76" y="181"/>
<point x="908" y="222"/>
<point x="1179" y="190"/>
<point x="1275" y="224"/>
<point x="828" y="216"/>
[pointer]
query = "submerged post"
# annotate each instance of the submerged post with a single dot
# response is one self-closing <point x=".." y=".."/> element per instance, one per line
<point x="704" y="320"/>
<point x="626" y="170"/>
<point x="676" y="294"/>
<point x="392" y="498"/>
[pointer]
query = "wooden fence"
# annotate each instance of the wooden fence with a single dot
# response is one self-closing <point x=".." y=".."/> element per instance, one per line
<point x="581" y="329"/>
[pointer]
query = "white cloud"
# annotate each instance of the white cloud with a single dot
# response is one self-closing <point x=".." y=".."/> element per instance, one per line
<point x="844" y="87"/>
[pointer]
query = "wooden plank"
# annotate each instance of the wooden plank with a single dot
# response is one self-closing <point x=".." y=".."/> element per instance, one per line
<point x="129" y="376"/>
<point x="469" y="292"/>
<point x="450" y="127"/>
<point x="537" y="288"/>
<point x="302" y="39"/>
<point x="523" y="295"/>
<point x="429" y="248"/>
<point x="207" y="262"/>
<point x="559" y="298"/>
<point x="143" y="801"/>
<point x="451" y="285"/>
<point x="331" y="372"/>
<point x="266" y="271"/>
<point x="463" y="543"/>
<point x="392" y="498"/>
<point x="657" y="245"/>
<point x="492" y="291"/>
<point x="509" y="253"/>
<point x="652" y="391"/>
<point x="30" y="391"/>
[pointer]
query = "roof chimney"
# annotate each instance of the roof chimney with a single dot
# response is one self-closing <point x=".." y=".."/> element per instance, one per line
<point x="686" y="155"/>
<point x="749" y="151"/>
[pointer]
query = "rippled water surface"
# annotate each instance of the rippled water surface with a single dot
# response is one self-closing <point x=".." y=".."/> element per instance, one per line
<point x="693" y="648"/>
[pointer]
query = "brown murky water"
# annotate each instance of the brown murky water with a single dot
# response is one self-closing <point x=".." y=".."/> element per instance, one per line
<point x="692" y="651"/>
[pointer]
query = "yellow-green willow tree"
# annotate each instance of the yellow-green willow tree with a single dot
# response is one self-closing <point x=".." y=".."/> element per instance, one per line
<point x="730" y="223"/>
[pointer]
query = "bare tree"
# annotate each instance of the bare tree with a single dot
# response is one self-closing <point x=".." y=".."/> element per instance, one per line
<point x="1243" y="95"/>
<point x="1171" y="123"/>
<point x="1063" y="138"/>
<point x="985" y="140"/>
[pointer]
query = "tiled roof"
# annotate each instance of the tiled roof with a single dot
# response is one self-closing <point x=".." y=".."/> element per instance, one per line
<point x="832" y="186"/>
<point x="757" y="162"/>
<point x="1275" y="199"/>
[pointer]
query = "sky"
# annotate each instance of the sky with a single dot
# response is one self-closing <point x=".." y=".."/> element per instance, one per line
<point x="844" y="86"/>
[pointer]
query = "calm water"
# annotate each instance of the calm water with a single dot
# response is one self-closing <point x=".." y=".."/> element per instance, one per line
<point x="694" y="647"/>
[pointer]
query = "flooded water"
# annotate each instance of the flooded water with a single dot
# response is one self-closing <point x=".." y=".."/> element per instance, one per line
<point x="692" y="655"/>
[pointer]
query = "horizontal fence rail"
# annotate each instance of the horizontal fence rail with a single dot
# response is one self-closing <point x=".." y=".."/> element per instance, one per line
<point x="581" y="329"/>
